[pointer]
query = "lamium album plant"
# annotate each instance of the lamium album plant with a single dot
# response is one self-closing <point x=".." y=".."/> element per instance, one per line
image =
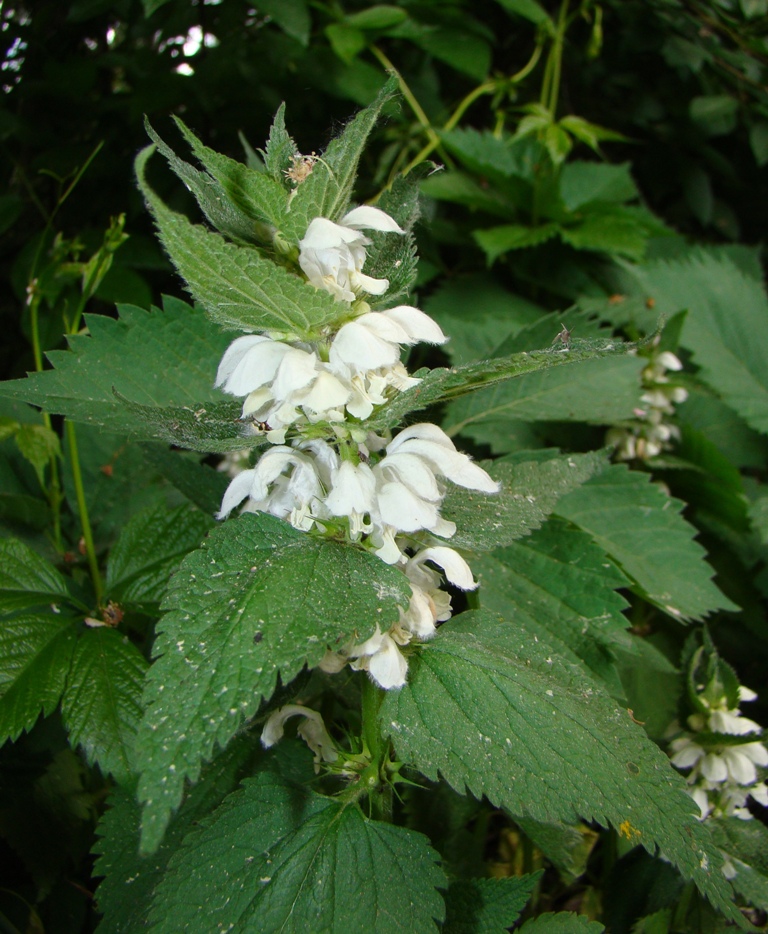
<point x="349" y="646"/>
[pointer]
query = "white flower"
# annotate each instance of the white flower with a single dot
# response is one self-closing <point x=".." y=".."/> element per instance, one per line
<point x="296" y="498"/>
<point x="312" y="730"/>
<point x="332" y="255"/>
<point x="373" y="340"/>
<point x="731" y="721"/>
<point x="381" y="658"/>
<point x="353" y="495"/>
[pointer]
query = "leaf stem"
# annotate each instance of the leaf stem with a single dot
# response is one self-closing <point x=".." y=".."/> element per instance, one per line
<point x="408" y="95"/>
<point x="380" y="795"/>
<point x="82" y="507"/>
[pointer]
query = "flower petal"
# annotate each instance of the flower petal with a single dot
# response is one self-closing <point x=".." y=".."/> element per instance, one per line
<point x="371" y="218"/>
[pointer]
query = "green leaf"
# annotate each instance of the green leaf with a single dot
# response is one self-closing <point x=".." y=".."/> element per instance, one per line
<point x="608" y="229"/>
<point x="590" y="133"/>
<point x="295" y="861"/>
<point x="530" y="10"/>
<point x="640" y="527"/>
<point x="35" y="655"/>
<point x="26" y="579"/>
<point x="381" y="16"/>
<point x="488" y="156"/>
<point x="561" y="922"/>
<point x="346" y="41"/>
<point x="498" y="714"/>
<point x="257" y="599"/>
<point x="495" y="241"/>
<point x="486" y="906"/>
<point x="439" y="385"/>
<point x="213" y="428"/>
<point x="149" y="550"/>
<point x="584" y="182"/>
<point x="201" y="485"/>
<point x="745" y="843"/>
<point x="24" y="509"/>
<point x="102" y="701"/>
<point x="327" y="191"/>
<point x="558" y="143"/>
<point x="255" y="194"/>
<point x="38" y="444"/>
<point x="462" y="50"/>
<point x="714" y="114"/>
<point x="455" y="305"/>
<point x="292" y="16"/>
<point x="528" y="495"/>
<point x="124" y="896"/>
<point x="155" y="358"/>
<point x="461" y="188"/>
<point x="226" y="213"/>
<point x="280" y="148"/>
<point x="238" y="288"/>
<point x="558" y="585"/>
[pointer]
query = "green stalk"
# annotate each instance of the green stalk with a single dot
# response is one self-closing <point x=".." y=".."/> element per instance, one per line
<point x="82" y="507"/>
<point x="556" y="56"/>
<point x="381" y="798"/>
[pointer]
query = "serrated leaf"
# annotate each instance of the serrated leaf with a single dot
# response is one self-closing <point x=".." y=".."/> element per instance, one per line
<point x="495" y="241"/>
<point x="327" y="191"/>
<point x="253" y="193"/>
<point x="292" y="16"/>
<point x="38" y="444"/>
<point x="35" y="655"/>
<point x="486" y="906"/>
<point x="530" y="10"/>
<point x="280" y="148"/>
<point x="202" y="485"/>
<point x="498" y="714"/>
<point x="214" y="428"/>
<point x="610" y="229"/>
<point x="462" y="50"/>
<point x="561" y="922"/>
<point x="238" y="287"/>
<point x="440" y="385"/>
<point x="567" y="846"/>
<point x="528" y="495"/>
<point x="155" y="358"/>
<point x="27" y="579"/>
<point x="224" y="213"/>
<point x="560" y="586"/>
<point x="257" y="599"/>
<point x="584" y="182"/>
<point x="295" y="861"/>
<point x="124" y="896"/>
<point x="102" y="701"/>
<point x="640" y="527"/>
<point x="149" y="550"/>
<point x="745" y="843"/>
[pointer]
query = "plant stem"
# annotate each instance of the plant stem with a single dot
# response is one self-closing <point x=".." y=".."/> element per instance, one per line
<point x="82" y="507"/>
<point x="381" y="797"/>
<point x="556" y="58"/>
<point x="408" y="95"/>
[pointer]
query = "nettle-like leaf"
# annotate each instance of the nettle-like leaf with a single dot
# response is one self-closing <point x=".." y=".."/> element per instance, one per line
<point x="561" y="922"/>
<point x="158" y="358"/>
<point x="487" y="906"/>
<point x="280" y="148"/>
<point x="526" y="396"/>
<point x="27" y="579"/>
<point x="499" y="714"/>
<point x="258" y="599"/>
<point x="726" y="346"/>
<point x="745" y="843"/>
<point x="149" y="550"/>
<point x="35" y="657"/>
<point x="237" y="286"/>
<point x="124" y="896"/>
<point x="201" y="484"/>
<point x="560" y="586"/>
<point x="327" y="191"/>
<point x="529" y="492"/>
<point x="296" y="861"/>
<point x="640" y="527"/>
<point x="224" y="205"/>
<point x="102" y="701"/>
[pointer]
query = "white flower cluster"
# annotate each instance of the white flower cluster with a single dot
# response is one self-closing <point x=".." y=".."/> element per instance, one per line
<point x="722" y="775"/>
<point x="651" y="432"/>
<point x="384" y="494"/>
<point x="354" y="369"/>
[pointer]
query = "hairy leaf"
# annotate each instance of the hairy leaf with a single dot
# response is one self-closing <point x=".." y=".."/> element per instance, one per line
<point x="486" y="906"/>
<point x="641" y="528"/>
<point x="155" y="358"/>
<point x="150" y="549"/>
<point x="202" y="485"/>
<point x="102" y="700"/>
<point x="326" y="192"/>
<point x="35" y="656"/>
<point x="27" y="579"/>
<point x="535" y="397"/>
<point x="529" y="492"/>
<point x="561" y="922"/>
<point x="560" y="586"/>
<point x="238" y="287"/>
<point x="294" y="862"/>
<point x="497" y="713"/>
<point x="257" y="599"/>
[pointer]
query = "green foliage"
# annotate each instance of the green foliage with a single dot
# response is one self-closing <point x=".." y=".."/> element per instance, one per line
<point x="486" y="906"/>
<point x="286" y="848"/>
<point x="258" y="600"/>
<point x="28" y="580"/>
